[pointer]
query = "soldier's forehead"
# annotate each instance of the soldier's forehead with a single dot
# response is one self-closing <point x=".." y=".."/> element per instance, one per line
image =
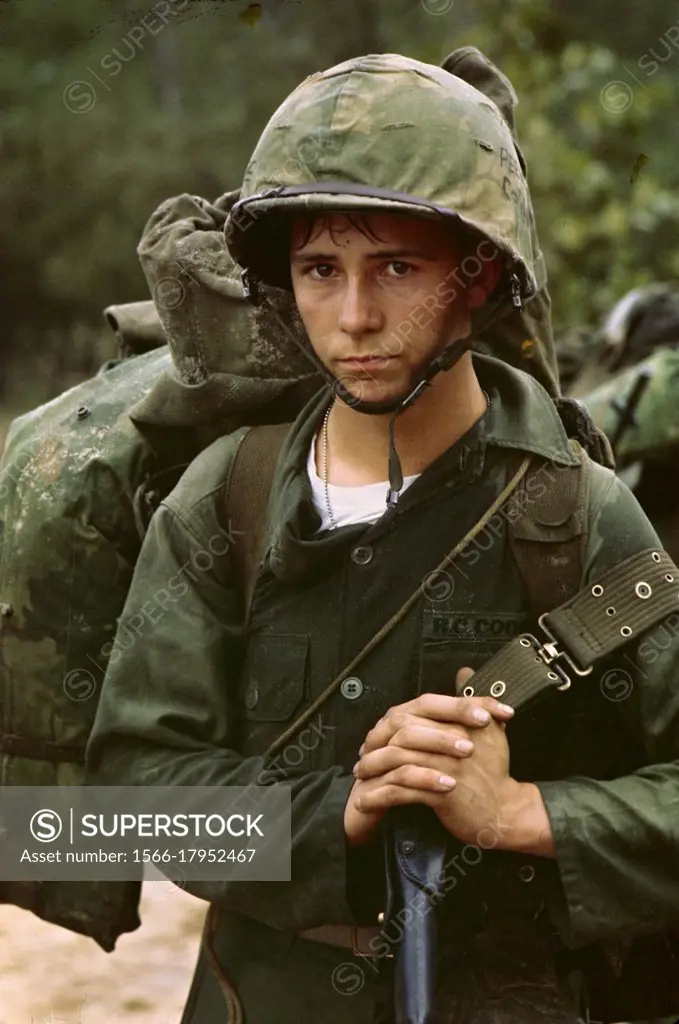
<point x="308" y="227"/>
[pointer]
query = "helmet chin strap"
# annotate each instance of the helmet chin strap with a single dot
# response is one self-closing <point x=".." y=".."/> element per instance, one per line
<point x="445" y="360"/>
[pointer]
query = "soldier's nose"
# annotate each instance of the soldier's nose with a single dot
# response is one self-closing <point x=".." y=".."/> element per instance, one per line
<point x="359" y="311"/>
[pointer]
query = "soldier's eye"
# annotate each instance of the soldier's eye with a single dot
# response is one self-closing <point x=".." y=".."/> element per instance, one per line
<point x="400" y="268"/>
<point x="323" y="270"/>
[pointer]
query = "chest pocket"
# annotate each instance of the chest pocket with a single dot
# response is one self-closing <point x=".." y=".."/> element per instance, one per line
<point x="452" y="640"/>
<point x="274" y="676"/>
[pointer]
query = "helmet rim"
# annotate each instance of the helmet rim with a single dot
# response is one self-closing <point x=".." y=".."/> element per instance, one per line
<point x="251" y="217"/>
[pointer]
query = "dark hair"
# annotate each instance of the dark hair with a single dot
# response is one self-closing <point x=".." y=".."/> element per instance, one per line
<point x="316" y="223"/>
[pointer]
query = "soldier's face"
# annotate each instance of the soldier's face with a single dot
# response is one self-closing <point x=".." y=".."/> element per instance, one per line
<point x="380" y="295"/>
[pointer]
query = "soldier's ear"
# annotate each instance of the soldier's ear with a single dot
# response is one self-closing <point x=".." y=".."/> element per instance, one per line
<point x="485" y="282"/>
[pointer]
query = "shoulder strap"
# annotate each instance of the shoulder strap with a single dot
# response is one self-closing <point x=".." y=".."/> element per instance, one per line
<point x="548" y="539"/>
<point x="246" y="498"/>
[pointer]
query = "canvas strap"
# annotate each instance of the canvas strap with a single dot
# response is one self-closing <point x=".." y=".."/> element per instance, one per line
<point x="547" y="530"/>
<point x="622" y="604"/>
<point x="246" y="499"/>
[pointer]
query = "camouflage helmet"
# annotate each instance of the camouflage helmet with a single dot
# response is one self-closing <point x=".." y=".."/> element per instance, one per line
<point x="640" y="321"/>
<point x="385" y="133"/>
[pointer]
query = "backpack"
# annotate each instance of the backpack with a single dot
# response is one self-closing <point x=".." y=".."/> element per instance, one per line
<point x="637" y="407"/>
<point x="79" y="479"/>
<point x="642" y="321"/>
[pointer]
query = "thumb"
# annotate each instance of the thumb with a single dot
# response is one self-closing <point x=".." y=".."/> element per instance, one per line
<point x="463" y="676"/>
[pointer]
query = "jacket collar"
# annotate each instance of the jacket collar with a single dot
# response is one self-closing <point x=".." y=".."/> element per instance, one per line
<point x="521" y="416"/>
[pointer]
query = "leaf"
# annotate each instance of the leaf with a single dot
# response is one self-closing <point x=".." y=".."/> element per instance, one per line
<point x="252" y="15"/>
<point x="640" y="162"/>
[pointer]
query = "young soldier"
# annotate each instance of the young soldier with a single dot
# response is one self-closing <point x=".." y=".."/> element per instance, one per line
<point x="388" y="195"/>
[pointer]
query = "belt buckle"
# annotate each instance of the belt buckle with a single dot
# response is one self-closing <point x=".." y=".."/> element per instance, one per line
<point x="366" y="952"/>
<point x="549" y="652"/>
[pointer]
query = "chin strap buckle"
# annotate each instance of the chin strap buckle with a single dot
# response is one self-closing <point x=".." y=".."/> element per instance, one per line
<point x="516" y="292"/>
<point x="392" y="497"/>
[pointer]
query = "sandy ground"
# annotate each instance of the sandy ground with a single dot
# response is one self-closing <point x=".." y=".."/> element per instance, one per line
<point x="49" y="975"/>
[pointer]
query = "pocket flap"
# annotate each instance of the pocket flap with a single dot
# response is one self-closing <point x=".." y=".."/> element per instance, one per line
<point x="274" y="677"/>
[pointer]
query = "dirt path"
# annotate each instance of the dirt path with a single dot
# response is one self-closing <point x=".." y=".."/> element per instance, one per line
<point x="49" y="975"/>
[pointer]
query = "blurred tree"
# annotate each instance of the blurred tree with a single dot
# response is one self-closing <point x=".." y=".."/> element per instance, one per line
<point x="168" y="74"/>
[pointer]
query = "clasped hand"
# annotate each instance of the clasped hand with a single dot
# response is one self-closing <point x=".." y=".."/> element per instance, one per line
<point x="450" y="753"/>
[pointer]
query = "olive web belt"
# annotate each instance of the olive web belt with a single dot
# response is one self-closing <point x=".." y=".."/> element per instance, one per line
<point x="621" y="605"/>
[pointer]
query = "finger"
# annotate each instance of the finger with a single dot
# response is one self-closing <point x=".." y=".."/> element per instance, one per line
<point x="463" y="676"/>
<point x="472" y="712"/>
<point x="387" y="759"/>
<point x="441" y="738"/>
<point x="432" y="707"/>
<point x="382" y="732"/>
<point x="392" y="794"/>
<point x="415" y="776"/>
<point x="469" y="711"/>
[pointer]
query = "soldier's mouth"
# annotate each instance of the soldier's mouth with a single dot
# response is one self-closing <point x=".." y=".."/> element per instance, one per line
<point x="367" y="362"/>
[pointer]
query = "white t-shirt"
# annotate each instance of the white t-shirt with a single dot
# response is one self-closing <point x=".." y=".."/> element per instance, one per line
<point x="363" y="504"/>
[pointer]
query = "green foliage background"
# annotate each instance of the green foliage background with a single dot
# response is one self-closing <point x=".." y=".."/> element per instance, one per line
<point x="105" y="111"/>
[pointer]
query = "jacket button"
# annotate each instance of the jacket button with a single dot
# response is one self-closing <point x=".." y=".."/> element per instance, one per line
<point x="83" y="412"/>
<point x="407" y="847"/>
<point x="251" y="696"/>
<point x="351" y="688"/>
<point x="362" y="554"/>
<point x="526" y="872"/>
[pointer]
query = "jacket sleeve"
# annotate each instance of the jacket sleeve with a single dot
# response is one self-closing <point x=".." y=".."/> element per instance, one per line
<point x="617" y="840"/>
<point x="166" y="718"/>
